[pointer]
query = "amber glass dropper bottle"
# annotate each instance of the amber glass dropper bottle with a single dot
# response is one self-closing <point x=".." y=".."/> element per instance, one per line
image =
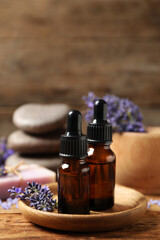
<point x="73" y="173"/>
<point x="101" y="159"/>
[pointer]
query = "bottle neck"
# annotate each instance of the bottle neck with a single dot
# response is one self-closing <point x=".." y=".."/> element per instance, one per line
<point x="72" y="159"/>
<point x="106" y="144"/>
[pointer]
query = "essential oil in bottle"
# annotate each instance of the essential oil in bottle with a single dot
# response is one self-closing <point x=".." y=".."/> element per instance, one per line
<point x="73" y="173"/>
<point x="101" y="159"/>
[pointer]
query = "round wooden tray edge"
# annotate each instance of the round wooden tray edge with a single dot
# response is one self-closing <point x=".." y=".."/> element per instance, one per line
<point x="23" y="205"/>
<point x="94" y="222"/>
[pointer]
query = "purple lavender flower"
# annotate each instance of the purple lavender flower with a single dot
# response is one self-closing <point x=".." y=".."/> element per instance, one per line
<point x="8" y="203"/>
<point x="45" y="188"/>
<point x="153" y="202"/>
<point x="47" y="205"/>
<point x="4" y="154"/>
<point x="2" y="171"/>
<point x="43" y="200"/>
<point x="123" y="114"/>
<point x="33" y="187"/>
<point x="39" y="197"/>
<point x="9" y="199"/>
<point x="4" y="151"/>
<point x="15" y="192"/>
<point x="5" y="205"/>
<point x="14" y="201"/>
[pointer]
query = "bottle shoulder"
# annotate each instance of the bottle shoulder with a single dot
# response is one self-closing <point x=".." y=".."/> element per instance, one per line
<point x="74" y="166"/>
<point x="101" y="153"/>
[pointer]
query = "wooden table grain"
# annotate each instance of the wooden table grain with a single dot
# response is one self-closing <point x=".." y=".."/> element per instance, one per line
<point x="14" y="226"/>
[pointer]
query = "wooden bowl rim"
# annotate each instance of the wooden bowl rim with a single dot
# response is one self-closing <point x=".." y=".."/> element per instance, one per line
<point x="151" y="132"/>
<point x="97" y="215"/>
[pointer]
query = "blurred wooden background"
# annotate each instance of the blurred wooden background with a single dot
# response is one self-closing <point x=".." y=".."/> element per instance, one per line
<point x="57" y="51"/>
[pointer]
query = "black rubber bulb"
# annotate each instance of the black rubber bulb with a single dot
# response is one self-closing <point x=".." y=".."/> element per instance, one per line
<point x="74" y="123"/>
<point x="100" y="112"/>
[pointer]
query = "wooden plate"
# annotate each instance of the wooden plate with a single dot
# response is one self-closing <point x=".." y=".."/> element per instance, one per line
<point x="129" y="206"/>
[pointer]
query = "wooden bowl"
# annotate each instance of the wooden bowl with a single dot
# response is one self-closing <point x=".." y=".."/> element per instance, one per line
<point x="138" y="160"/>
<point x="130" y="205"/>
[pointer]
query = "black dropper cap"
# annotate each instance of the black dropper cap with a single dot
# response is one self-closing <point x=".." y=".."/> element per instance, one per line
<point x="73" y="142"/>
<point x="99" y="131"/>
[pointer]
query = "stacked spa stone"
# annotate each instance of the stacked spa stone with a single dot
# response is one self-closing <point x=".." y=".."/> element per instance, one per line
<point x="37" y="139"/>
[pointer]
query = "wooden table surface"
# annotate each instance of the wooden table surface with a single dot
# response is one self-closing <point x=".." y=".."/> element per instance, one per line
<point x="14" y="226"/>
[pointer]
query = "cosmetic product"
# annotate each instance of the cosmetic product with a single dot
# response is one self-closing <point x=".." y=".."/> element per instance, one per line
<point x="73" y="173"/>
<point x="101" y="159"/>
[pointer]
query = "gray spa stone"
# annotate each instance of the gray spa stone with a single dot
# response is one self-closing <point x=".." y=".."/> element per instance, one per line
<point x="52" y="162"/>
<point x="28" y="143"/>
<point x="40" y="118"/>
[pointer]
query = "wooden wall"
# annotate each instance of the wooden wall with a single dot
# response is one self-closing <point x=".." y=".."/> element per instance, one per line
<point x="57" y="51"/>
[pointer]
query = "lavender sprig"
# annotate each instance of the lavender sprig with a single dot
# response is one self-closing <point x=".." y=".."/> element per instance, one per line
<point x="33" y="187"/>
<point x="2" y="171"/>
<point x="8" y="203"/>
<point x="123" y="114"/>
<point x="16" y="192"/>
<point x="5" y="152"/>
<point x="39" y="197"/>
<point x="153" y="202"/>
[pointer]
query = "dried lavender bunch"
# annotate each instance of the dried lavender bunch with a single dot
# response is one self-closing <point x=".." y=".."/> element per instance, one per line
<point x="39" y="197"/>
<point x="123" y="114"/>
